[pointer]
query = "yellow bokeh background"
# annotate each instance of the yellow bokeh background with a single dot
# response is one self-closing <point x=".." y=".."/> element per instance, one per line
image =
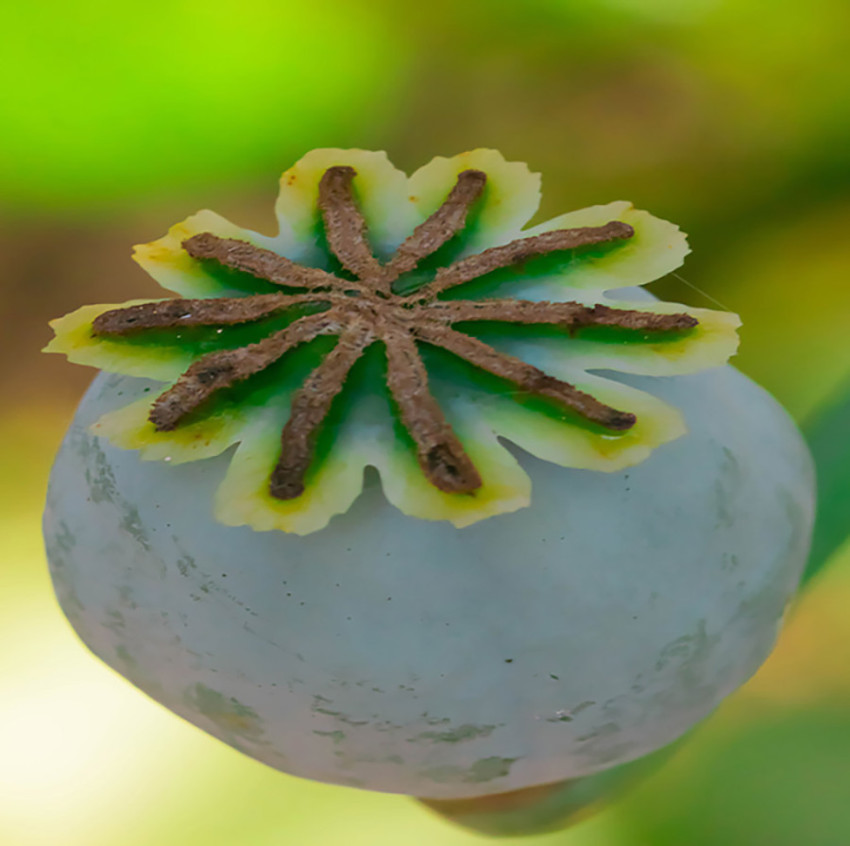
<point x="728" y="116"/>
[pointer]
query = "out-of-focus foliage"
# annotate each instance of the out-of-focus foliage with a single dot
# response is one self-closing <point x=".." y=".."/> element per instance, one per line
<point x="829" y="438"/>
<point x="107" y="102"/>
<point x="728" y="116"/>
<point x="743" y="784"/>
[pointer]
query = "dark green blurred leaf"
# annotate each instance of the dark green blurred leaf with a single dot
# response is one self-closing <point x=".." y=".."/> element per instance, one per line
<point x="829" y="439"/>
<point x="778" y="781"/>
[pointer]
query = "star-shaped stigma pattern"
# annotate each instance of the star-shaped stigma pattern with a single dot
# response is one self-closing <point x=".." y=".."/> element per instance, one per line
<point x="415" y="325"/>
<point x="367" y="302"/>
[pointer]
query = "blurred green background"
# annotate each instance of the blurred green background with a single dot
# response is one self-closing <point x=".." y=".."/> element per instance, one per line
<point x="730" y="117"/>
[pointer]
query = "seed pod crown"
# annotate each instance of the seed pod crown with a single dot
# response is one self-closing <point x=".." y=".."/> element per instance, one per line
<point x="404" y="324"/>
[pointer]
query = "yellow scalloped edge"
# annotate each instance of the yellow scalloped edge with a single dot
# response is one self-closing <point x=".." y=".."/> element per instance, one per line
<point x="393" y="205"/>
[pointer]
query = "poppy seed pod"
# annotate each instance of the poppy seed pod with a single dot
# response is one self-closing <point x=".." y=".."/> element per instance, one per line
<point x="414" y="511"/>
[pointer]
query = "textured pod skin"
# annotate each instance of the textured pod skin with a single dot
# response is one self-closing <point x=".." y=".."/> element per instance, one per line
<point x="408" y="656"/>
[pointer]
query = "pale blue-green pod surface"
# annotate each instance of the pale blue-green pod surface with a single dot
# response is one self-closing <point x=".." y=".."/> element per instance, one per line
<point x="409" y="656"/>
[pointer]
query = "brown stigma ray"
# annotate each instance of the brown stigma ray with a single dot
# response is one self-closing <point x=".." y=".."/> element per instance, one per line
<point x="440" y="454"/>
<point x="570" y="315"/>
<point x="168" y="314"/>
<point x="345" y="226"/>
<point x="516" y="252"/>
<point x="259" y="262"/>
<point x="224" y="369"/>
<point x="440" y="227"/>
<point x="363" y="312"/>
<point x="527" y="378"/>
<point x="310" y="407"/>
